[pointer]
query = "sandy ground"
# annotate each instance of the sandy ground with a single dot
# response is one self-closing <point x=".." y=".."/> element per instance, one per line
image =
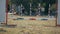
<point x="31" y="27"/>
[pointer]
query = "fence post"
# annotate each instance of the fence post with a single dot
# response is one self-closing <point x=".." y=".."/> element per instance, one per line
<point x="49" y="11"/>
<point x="39" y="7"/>
<point x="30" y="9"/>
<point x="21" y="9"/>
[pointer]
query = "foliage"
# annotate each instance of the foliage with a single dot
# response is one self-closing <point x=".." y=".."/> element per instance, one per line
<point x="26" y="3"/>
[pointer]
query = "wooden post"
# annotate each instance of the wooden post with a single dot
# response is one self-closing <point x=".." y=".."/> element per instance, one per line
<point x="6" y="11"/>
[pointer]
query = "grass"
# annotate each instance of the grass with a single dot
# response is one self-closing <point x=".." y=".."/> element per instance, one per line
<point x="31" y="27"/>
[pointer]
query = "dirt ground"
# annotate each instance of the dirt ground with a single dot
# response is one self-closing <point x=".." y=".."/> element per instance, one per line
<point x="31" y="27"/>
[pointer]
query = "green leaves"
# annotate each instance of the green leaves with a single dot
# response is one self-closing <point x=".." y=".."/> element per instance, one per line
<point x="26" y="4"/>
